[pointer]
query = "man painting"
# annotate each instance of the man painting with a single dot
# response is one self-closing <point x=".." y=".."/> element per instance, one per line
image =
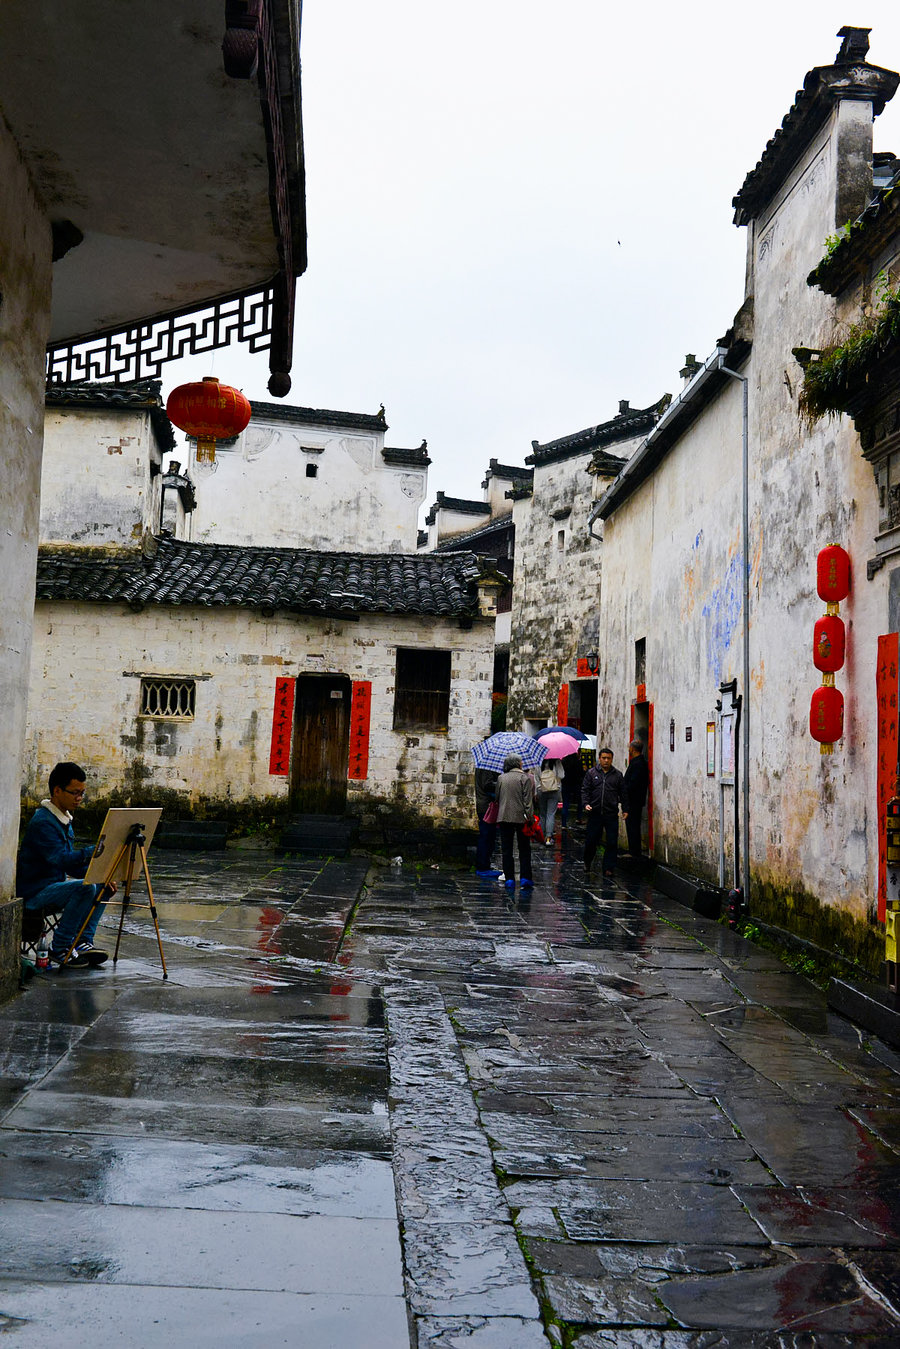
<point x="602" y="793"/>
<point x="637" y="778"/>
<point x="48" y="860"/>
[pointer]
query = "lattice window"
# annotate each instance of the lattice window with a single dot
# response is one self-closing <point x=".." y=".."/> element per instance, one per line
<point x="169" y="698"/>
<point x="422" y="690"/>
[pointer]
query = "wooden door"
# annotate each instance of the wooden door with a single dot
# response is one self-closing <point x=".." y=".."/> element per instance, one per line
<point x="321" y="745"/>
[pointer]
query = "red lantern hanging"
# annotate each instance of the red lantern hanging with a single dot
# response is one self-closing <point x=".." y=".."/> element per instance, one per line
<point x="833" y="574"/>
<point x="828" y="643"/>
<point x="826" y="716"/>
<point x="209" y="411"/>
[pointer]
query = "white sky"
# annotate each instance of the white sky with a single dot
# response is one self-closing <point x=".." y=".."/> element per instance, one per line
<point x="520" y="212"/>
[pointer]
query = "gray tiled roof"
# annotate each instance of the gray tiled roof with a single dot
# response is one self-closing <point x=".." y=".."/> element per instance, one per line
<point x="296" y="579"/>
<point x="629" y="422"/>
<point x="140" y="395"/>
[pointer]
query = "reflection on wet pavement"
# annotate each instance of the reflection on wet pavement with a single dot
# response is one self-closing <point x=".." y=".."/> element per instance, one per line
<point x="582" y="1116"/>
<point x="692" y="1149"/>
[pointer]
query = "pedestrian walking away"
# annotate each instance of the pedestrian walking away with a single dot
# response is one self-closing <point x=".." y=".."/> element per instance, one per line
<point x="48" y="859"/>
<point x="486" y="810"/>
<point x="515" y="802"/>
<point x="603" y="792"/>
<point x="637" y="779"/>
<point x="549" y="784"/>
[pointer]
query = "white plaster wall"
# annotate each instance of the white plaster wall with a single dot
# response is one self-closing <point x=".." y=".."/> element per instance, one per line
<point x="672" y="574"/>
<point x="96" y="485"/>
<point x="85" y="707"/>
<point x="260" y="494"/>
<point x="556" y="592"/>
<point x="25" y="279"/>
<point x="450" y="523"/>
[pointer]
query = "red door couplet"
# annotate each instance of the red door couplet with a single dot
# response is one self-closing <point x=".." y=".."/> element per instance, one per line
<point x="282" y="723"/>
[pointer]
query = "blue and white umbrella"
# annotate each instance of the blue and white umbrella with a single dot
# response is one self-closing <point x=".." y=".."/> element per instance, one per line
<point x="491" y="753"/>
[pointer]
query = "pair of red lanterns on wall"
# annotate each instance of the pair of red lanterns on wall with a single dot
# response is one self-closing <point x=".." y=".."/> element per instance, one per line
<point x="208" y="411"/>
<point x="826" y="710"/>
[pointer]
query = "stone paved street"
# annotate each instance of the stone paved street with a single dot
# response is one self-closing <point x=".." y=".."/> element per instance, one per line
<point x="423" y="1111"/>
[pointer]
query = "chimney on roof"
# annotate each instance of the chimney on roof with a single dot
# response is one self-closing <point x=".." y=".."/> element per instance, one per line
<point x="624" y="407"/>
<point x="855" y="46"/>
<point x="690" y="367"/>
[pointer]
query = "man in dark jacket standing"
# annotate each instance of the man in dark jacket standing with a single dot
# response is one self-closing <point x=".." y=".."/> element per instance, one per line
<point x="637" y="778"/>
<point x="48" y="858"/>
<point x="602" y="793"/>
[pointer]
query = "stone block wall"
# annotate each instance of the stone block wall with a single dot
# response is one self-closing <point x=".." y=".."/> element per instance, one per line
<point x="86" y="670"/>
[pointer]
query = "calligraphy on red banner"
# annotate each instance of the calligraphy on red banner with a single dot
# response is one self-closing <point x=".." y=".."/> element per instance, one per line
<point x="583" y="671"/>
<point x="360" y="716"/>
<point x="886" y="698"/>
<point x="562" y="706"/>
<point x="282" y="726"/>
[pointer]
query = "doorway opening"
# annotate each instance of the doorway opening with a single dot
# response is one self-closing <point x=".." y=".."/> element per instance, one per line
<point x="642" y="729"/>
<point x="321" y="750"/>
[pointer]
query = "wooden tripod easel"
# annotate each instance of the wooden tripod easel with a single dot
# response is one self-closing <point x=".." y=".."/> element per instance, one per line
<point x="135" y="846"/>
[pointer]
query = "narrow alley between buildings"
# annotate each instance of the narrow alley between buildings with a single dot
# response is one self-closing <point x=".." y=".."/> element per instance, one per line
<point x="381" y="1106"/>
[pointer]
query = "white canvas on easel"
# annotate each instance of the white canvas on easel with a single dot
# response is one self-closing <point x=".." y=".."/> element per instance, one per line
<point x="114" y="836"/>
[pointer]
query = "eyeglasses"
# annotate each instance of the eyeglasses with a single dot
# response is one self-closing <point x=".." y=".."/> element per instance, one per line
<point x="77" y="793"/>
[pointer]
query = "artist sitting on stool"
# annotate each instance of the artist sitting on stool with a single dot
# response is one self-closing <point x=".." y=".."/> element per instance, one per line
<point x="48" y="856"/>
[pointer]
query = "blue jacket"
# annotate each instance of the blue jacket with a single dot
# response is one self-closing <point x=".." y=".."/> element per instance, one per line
<point x="48" y="854"/>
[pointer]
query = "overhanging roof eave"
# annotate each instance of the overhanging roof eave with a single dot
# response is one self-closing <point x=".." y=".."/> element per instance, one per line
<point x="678" y="417"/>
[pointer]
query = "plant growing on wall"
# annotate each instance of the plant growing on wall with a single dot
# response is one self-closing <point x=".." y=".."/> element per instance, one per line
<point x="831" y="377"/>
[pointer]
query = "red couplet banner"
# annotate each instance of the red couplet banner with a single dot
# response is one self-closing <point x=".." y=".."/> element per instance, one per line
<point x="886" y="694"/>
<point x="562" y="706"/>
<point x="360" y="717"/>
<point x="282" y="725"/>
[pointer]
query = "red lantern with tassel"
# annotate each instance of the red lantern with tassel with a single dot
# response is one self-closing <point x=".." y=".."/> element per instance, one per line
<point x="826" y="716"/>
<point x="829" y="643"/>
<point x="833" y="574"/>
<point x="209" y="411"/>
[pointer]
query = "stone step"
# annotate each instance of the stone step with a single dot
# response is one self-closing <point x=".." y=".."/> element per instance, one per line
<point x="191" y="835"/>
<point x="317" y="834"/>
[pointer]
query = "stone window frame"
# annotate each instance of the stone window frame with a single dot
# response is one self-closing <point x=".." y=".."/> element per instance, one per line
<point x="422" y="683"/>
<point x="160" y="694"/>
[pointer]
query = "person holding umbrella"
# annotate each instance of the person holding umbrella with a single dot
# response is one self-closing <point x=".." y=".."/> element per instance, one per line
<point x="515" y="801"/>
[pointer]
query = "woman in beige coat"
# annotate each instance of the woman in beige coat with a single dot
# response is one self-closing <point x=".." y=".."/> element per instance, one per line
<point x="515" y="806"/>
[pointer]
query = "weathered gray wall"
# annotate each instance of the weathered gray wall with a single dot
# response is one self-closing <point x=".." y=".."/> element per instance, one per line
<point x="85" y="707"/>
<point x="96" y="484"/>
<point x="557" y="589"/>
<point x="24" y="324"/>
<point x="260" y="494"/>
<point x="673" y="574"/>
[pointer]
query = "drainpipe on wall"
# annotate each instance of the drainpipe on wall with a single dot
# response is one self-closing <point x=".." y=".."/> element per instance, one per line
<point x="745" y="552"/>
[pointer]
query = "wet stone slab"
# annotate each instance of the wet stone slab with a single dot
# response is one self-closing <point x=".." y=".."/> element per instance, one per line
<point x="479" y="1332"/>
<point x="808" y="1145"/>
<point x="866" y="1216"/>
<point x="44" y="1315"/>
<point x="812" y="1296"/>
<point x="466" y="1269"/>
<point x="606" y="1302"/>
<point x="636" y="1157"/>
<point x="647" y="1211"/>
<point x="178" y="1174"/>
<point x="71" y="1112"/>
<point x="172" y="1247"/>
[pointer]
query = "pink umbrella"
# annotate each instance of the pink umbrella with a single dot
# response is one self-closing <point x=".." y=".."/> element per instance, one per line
<point x="559" y="745"/>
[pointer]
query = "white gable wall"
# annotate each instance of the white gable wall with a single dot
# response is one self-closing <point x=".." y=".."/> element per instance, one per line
<point x="260" y="493"/>
<point x="96" y="483"/>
